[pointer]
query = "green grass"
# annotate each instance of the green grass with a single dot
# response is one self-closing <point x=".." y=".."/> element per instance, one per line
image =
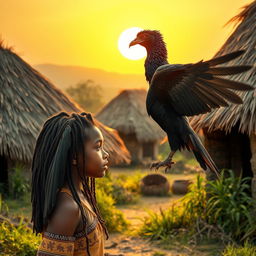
<point x="21" y="207"/>
<point x="246" y="250"/>
<point x="227" y="216"/>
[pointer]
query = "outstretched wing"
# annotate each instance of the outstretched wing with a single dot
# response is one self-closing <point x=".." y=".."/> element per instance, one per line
<point x="193" y="89"/>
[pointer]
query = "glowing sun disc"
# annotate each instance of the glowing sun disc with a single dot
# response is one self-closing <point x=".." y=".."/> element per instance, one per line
<point x="136" y="52"/>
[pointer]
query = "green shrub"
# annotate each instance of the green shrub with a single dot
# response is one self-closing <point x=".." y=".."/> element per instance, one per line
<point x="19" y="241"/>
<point x="113" y="217"/>
<point x="126" y="189"/>
<point x="4" y="209"/>
<point x="18" y="185"/>
<point x="230" y="206"/>
<point x="194" y="202"/>
<point x="123" y="188"/>
<point x="181" y="214"/>
<point x="228" y="214"/>
<point x="246" y="250"/>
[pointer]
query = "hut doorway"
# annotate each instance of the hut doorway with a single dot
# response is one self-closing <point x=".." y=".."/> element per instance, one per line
<point x="148" y="150"/>
<point x="240" y="153"/>
<point x="230" y="151"/>
<point x="3" y="174"/>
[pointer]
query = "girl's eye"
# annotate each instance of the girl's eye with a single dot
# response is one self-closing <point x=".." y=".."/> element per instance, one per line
<point x="98" y="147"/>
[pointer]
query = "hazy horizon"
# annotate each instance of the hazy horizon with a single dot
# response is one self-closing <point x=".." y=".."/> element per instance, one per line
<point x="71" y="32"/>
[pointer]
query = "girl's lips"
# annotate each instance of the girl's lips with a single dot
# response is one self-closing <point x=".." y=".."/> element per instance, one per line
<point x="105" y="166"/>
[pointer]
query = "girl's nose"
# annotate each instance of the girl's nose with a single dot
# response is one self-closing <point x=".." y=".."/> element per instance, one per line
<point x="106" y="154"/>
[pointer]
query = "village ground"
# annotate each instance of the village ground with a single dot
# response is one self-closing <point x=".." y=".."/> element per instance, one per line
<point x="130" y="244"/>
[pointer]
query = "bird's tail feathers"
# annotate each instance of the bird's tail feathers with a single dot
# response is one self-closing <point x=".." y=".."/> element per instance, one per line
<point x="201" y="154"/>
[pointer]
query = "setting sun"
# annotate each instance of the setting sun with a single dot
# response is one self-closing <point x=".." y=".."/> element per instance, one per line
<point x="136" y="52"/>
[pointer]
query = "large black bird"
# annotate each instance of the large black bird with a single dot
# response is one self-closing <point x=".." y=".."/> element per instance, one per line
<point x="181" y="90"/>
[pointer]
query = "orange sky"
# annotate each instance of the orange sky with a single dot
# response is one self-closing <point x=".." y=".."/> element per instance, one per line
<point x="85" y="33"/>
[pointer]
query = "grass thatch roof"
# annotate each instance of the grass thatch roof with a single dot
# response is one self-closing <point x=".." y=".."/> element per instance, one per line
<point x="127" y="114"/>
<point x="224" y="118"/>
<point x="27" y="99"/>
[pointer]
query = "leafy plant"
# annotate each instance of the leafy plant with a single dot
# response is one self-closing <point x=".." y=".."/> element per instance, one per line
<point x="227" y="214"/>
<point x="113" y="217"/>
<point x="4" y="209"/>
<point x="246" y="250"/>
<point x="194" y="202"/>
<point x="123" y="188"/>
<point x="18" y="184"/>
<point x="230" y="206"/>
<point x="19" y="241"/>
<point x="181" y="214"/>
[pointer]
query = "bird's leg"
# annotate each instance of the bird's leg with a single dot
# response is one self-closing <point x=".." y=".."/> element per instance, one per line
<point x="167" y="162"/>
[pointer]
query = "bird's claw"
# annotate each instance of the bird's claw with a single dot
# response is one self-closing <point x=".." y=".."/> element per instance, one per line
<point x="167" y="164"/>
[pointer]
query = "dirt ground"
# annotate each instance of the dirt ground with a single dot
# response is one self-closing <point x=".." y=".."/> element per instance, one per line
<point x="128" y="245"/>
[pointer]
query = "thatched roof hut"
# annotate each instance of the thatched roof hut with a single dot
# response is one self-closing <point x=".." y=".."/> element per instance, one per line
<point x="230" y="132"/>
<point x="27" y="99"/>
<point x="128" y="115"/>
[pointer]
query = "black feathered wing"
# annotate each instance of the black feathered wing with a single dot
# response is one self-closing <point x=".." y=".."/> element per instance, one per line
<point x="194" y="89"/>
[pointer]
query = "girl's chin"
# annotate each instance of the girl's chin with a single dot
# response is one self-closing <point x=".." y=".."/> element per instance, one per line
<point x="102" y="172"/>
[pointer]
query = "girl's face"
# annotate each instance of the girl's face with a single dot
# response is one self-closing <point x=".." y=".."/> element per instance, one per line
<point x="96" y="159"/>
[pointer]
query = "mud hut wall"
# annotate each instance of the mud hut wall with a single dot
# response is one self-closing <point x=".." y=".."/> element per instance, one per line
<point x="217" y="146"/>
<point x="231" y="151"/>
<point x="134" y="147"/>
<point x="253" y="163"/>
<point x="155" y="150"/>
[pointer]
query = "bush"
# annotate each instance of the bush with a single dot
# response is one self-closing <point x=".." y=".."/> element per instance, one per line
<point x="126" y="188"/>
<point x="182" y="214"/>
<point x="19" y="241"/>
<point x="228" y="214"/>
<point x="123" y="188"/>
<point x="246" y="250"/>
<point x="4" y="209"/>
<point x="18" y="185"/>
<point x="114" y="218"/>
<point x="230" y="206"/>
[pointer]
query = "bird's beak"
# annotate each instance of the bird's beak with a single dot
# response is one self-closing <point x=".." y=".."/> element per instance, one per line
<point x="135" y="41"/>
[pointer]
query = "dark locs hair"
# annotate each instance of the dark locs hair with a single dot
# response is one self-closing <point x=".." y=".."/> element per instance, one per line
<point x="60" y="141"/>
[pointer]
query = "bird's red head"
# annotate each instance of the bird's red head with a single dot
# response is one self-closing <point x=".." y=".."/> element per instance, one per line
<point x="147" y="38"/>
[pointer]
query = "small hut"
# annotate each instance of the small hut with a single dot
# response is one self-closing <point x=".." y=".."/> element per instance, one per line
<point x="230" y="133"/>
<point x="27" y="99"/>
<point x="128" y="115"/>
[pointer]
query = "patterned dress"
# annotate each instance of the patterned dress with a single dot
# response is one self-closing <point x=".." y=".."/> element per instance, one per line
<point x="55" y="244"/>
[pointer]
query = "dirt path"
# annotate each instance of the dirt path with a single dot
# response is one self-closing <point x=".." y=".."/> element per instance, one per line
<point x="120" y="244"/>
<point x="128" y="245"/>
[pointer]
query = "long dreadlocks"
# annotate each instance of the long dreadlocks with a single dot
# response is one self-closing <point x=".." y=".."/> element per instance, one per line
<point x="61" y="139"/>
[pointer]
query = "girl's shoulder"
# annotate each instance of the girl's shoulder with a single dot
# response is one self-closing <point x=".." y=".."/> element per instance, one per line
<point x="84" y="201"/>
<point x="65" y="217"/>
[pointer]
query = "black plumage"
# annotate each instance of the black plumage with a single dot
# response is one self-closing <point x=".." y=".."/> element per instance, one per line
<point x="181" y="90"/>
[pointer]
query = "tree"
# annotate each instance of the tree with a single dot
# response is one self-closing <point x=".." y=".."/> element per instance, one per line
<point x="87" y="94"/>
